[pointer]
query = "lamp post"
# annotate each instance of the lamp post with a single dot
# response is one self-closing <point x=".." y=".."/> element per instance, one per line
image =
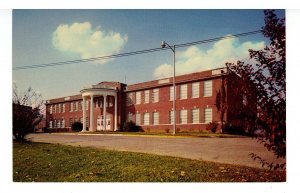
<point x="163" y="45"/>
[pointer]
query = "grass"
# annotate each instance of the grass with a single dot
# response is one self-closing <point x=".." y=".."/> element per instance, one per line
<point x="58" y="163"/>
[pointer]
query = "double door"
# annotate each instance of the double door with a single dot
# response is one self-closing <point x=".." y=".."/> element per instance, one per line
<point x="100" y="123"/>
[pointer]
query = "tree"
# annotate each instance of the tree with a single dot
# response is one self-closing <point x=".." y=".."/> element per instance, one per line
<point x="221" y="102"/>
<point x="26" y="112"/>
<point x="264" y="84"/>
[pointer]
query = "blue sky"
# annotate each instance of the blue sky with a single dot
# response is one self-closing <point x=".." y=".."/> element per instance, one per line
<point x="45" y="36"/>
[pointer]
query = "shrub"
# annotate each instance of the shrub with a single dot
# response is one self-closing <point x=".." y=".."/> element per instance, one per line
<point x="167" y="130"/>
<point x="77" y="126"/>
<point x="234" y="127"/>
<point x="131" y="127"/>
<point x="212" y="126"/>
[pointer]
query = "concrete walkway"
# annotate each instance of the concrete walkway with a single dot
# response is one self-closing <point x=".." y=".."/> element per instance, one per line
<point x="222" y="150"/>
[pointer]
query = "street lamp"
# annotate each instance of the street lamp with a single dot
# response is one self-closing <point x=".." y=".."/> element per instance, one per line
<point x="163" y="45"/>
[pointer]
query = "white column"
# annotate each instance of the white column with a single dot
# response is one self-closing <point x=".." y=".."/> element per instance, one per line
<point x="104" y="111"/>
<point x="92" y="113"/>
<point x="83" y="115"/>
<point x="116" y="114"/>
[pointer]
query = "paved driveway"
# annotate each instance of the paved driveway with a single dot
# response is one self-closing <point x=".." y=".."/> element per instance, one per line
<point x="223" y="150"/>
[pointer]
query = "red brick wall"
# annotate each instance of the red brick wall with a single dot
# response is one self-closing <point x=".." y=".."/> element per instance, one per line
<point x="164" y="105"/>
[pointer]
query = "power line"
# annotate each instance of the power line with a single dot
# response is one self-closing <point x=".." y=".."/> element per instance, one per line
<point x="135" y="52"/>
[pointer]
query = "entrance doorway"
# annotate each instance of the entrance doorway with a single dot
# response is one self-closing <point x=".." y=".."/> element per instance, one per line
<point x="100" y="123"/>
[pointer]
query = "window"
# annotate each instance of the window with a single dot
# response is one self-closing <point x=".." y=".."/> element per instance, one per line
<point x="86" y="122"/>
<point x="81" y="120"/>
<point x="50" y="124"/>
<point x="195" y="115"/>
<point x="50" y="110"/>
<point x="195" y="90"/>
<point x="58" y="123"/>
<point x="207" y="88"/>
<point x="71" y="107"/>
<point x="129" y="99"/>
<point x="54" y="126"/>
<point x="138" y="119"/>
<point x="171" y="117"/>
<point x="54" y="108"/>
<point x="80" y="105"/>
<point x="183" y="116"/>
<point x="71" y="122"/>
<point x="59" y="106"/>
<point x="63" y="123"/>
<point x="207" y="115"/>
<point x="155" y="95"/>
<point x="129" y="117"/>
<point x="146" y="99"/>
<point x="171" y="93"/>
<point x="183" y="91"/>
<point x="111" y="100"/>
<point x="63" y="108"/>
<point x="146" y="119"/>
<point x="138" y="98"/>
<point x="76" y="106"/>
<point x="155" y="118"/>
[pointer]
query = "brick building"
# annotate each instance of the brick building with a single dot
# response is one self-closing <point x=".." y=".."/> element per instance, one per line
<point x="148" y="104"/>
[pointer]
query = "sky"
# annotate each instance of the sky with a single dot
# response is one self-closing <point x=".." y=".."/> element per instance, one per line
<point x="46" y="36"/>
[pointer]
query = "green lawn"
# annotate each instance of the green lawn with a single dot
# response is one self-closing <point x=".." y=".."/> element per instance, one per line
<point x="58" y="163"/>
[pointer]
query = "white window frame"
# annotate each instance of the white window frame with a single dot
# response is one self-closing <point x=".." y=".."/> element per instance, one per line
<point x="138" y="97"/>
<point x="50" y="109"/>
<point x="208" y="114"/>
<point x="155" y="95"/>
<point x="129" y="99"/>
<point x="129" y="117"/>
<point x="195" y="115"/>
<point x="86" y="122"/>
<point x="146" y="96"/>
<point x="54" y="109"/>
<point x="183" y="116"/>
<point x="171" y="93"/>
<point x="76" y="106"/>
<point x="207" y="88"/>
<point x="138" y="118"/>
<point x="183" y="91"/>
<point x="50" y="124"/>
<point x="146" y="119"/>
<point x="80" y="105"/>
<point x="59" y="106"/>
<point x="63" y="108"/>
<point x="195" y="90"/>
<point x="171" y="117"/>
<point x="155" y="116"/>
<point x="63" y="123"/>
<point x="58" y="123"/>
<point x="71" y="107"/>
<point x="71" y="121"/>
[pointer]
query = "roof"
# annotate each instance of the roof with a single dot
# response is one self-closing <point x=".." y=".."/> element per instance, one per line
<point x="64" y="99"/>
<point x="209" y="74"/>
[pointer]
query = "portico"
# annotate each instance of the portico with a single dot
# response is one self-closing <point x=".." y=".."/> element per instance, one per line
<point x="99" y="91"/>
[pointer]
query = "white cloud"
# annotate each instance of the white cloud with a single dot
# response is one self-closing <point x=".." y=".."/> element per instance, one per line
<point x="164" y="70"/>
<point x="195" y="58"/>
<point x="81" y="39"/>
